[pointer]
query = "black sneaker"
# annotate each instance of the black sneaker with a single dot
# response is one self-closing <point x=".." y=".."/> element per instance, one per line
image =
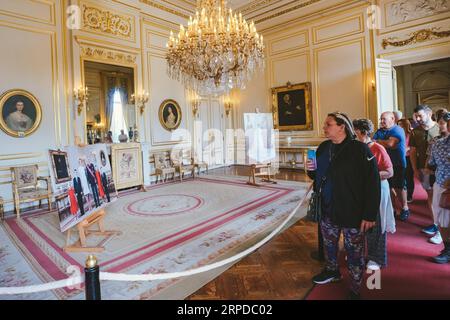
<point x="404" y="214"/>
<point x="327" y="276"/>
<point x="352" y="295"/>
<point x="444" y="257"/>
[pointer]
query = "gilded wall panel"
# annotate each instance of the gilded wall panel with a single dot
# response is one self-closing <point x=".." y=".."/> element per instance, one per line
<point x="106" y="22"/>
<point x="338" y="29"/>
<point x="42" y="11"/>
<point x="289" y="42"/>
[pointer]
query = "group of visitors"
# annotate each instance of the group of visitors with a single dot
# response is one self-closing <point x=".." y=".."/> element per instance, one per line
<point x="366" y="179"/>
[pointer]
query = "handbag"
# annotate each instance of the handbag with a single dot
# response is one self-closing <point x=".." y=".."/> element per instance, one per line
<point x="315" y="207"/>
<point x="444" y="201"/>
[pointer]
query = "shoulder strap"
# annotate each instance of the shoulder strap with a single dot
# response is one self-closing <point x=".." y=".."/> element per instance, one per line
<point x="325" y="176"/>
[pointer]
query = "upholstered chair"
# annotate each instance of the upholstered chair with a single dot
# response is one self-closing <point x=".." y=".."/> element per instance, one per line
<point x="182" y="163"/>
<point x="162" y="167"/>
<point x="26" y="186"/>
<point x="197" y="163"/>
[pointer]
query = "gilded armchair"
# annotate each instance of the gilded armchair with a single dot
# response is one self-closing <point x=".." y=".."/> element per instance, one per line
<point x="26" y="186"/>
<point x="182" y="163"/>
<point x="162" y="167"/>
<point x="198" y="164"/>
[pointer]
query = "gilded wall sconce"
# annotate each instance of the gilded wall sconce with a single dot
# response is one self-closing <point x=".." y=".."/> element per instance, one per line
<point x="194" y="99"/>
<point x="81" y="96"/>
<point x="228" y="104"/>
<point x="140" y="100"/>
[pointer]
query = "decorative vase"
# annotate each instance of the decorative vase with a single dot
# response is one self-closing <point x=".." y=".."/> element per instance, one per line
<point x="130" y="134"/>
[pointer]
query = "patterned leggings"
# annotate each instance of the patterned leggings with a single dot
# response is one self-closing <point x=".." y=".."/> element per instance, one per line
<point x="376" y="244"/>
<point x="354" y="247"/>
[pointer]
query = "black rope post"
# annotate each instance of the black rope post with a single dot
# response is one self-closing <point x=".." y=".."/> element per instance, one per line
<point x="92" y="279"/>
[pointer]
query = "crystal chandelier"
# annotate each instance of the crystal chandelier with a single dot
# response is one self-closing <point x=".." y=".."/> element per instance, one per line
<point x="217" y="52"/>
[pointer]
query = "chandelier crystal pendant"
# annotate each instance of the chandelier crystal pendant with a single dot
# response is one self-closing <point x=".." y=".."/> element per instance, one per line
<point x="218" y="51"/>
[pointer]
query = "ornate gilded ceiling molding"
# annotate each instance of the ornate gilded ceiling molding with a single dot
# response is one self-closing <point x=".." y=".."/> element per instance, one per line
<point x="279" y="13"/>
<point x="164" y="8"/>
<point x="256" y="4"/>
<point x="107" y="55"/>
<point x="415" y="37"/>
<point x="104" y="21"/>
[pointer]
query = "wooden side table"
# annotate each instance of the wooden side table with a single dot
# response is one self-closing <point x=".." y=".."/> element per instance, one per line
<point x="1" y="209"/>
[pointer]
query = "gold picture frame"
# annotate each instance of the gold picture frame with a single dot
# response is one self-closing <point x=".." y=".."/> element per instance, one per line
<point x="170" y="114"/>
<point x="60" y="166"/>
<point x="19" y="123"/>
<point x="127" y="165"/>
<point x="291" y="107"/>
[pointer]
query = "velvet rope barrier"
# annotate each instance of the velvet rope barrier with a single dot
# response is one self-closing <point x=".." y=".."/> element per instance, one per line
<point x="69" y="282"/>
<point x="76" y="280"/>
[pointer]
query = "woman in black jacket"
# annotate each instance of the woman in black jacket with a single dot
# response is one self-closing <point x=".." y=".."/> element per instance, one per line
<point x="348" y="178"/>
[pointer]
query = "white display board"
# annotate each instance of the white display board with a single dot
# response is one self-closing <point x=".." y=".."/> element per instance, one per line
<point x="260" y="138"/>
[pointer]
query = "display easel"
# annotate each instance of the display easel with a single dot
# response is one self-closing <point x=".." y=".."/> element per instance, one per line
<point x="255" y="171"/>
<point x="83" y="232"/>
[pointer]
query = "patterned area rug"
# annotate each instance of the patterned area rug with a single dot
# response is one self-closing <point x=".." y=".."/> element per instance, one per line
<point x="171" y="227"/>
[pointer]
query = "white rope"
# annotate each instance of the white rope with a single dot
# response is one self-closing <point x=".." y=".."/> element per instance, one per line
<point x="161" y="276"/>
<point x="76" y="280"/>
<point x="72" y="281"/>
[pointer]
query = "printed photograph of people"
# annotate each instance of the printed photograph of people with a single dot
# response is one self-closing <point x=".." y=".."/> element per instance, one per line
<point x="91" y="188"/>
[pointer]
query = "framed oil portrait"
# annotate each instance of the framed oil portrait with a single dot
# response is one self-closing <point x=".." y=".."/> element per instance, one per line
<point x="170" y="114"/>
<point x="60" y="166"/>
<point x="127" y="165"/>
<point x="292" y="109"/>
<point x="20" y="113"/>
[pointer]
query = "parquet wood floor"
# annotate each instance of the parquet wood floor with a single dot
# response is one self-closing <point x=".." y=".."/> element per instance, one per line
<point x="281" y="269"/>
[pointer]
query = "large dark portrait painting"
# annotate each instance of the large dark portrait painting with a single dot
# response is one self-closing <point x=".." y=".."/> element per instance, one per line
<point x="292" y="107"/>
<point x="170" y="114"/>
<point x="20" y="113"/>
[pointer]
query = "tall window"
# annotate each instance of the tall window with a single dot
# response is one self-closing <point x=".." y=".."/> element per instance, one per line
<point x="117" y="120"/>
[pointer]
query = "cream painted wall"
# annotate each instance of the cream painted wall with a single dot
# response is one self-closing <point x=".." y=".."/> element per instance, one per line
<point x="332" y="48"/>
<point x="32" y="60"/>
<point x="332" y="52"/>
<point x="46" y="58"/>
<point x="406" y="28"/>
<point x="409" y="33"/>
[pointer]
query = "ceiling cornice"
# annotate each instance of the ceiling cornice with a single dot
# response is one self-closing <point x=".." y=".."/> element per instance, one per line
<point x="283" y="9"/>
<point x="260" y="11"/>
<point x="169" y="9"/>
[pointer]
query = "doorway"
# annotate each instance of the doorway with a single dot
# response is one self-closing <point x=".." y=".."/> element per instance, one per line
<point x="423" y="83"/>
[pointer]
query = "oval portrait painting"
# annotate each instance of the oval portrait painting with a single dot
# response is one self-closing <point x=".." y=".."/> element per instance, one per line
<point x="20" y="113"/>
<point x="170" y="114"/>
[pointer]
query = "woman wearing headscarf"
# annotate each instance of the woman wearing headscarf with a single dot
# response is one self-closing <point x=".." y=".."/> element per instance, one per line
<point x="377" y="237"/>
<point x="348" y="179"/>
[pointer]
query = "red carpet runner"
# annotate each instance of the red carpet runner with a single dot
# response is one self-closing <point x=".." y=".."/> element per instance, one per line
<point x="411" y="273"/>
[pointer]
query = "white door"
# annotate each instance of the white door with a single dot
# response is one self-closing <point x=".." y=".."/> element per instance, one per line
<point x="394" y="88"/>
<point x="217" y="132"/>
<point x="385" y="86"/>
